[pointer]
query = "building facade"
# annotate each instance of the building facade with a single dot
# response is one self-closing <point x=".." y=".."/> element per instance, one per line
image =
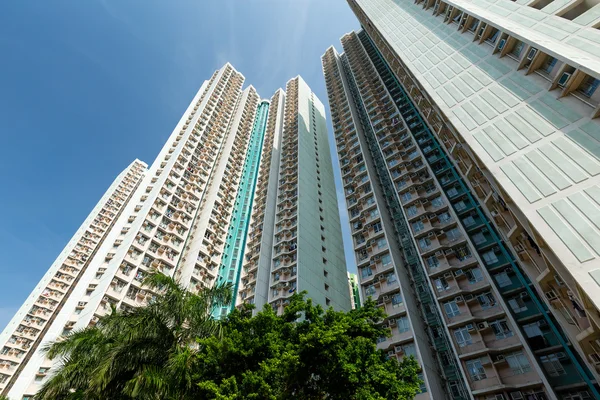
<point x="235" y="168"/>
<point x="479" y="122"/>
<point x="354" y="288"/>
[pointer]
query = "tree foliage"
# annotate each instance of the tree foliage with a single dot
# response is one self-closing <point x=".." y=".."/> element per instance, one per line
<point x="173" y="349"/>
<point x="142" y="353"/>
<point x="306" y="353"/>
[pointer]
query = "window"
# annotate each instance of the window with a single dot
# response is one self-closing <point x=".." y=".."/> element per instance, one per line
<point x="532" y="330"/>
<point x="375" y="213"/>
<point x="370" y="290"/>
<point x="377" y="227"/>
<point x="405" y="197"/>
<point x="493" y="35"/>
<point x="417" y="226"/>
<point x="468" y="221"/>
<point x="462" y="253"/>
<point x="459" y="206"/>
<point x="486" y="300"/>
<point x="455" y="389"/>
<point x="403" y="324"/>
<point x="474" y="275"/>
<point x="432" y="262"/>
<point x="453" y="234"/>
<point x="411" y="211"/>
<point x="366" y="272"/>
<point x="589" y="86"/>
<point x="518" y="363"/>
<point x="451" y="309"/>
<point x="444" y="217"/>
<point x="391" y="278"/>
<point x="489" y="257"/>
<point x="503" y="279"/>
<point x="441" y="284"/>
<point x="424" y="243"/>
<point x="422" y="387"/>
<point x="437" y="202"/>
<point x="476" y="370"/>
<point x="396" y="300"/>
<point x="501" y="329"/>
<point x="478" y="238"/>
<point x="410" y="350"/>
<point x="386" y="260"/>
<point x="549" y="64"/>
<point x="381" y="243"/>
<point x="552" y="365"/>
<point x="517" y="304"/>
<point x="463" y="337"/>
<point x="518" y="47"/>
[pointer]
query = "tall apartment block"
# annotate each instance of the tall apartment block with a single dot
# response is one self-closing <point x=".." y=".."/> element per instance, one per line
<point x="469" y="141"/>
<point x="238" y="177"/>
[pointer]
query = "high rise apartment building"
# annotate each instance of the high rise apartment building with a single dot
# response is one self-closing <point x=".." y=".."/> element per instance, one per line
<point x="468" y="138"/>
<point x="238" y="176"/>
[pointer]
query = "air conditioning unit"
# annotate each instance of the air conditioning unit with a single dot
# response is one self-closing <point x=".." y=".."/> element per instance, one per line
<point x="470" y="327"/>
<point x="531" y="54"/>
<point x="482" y="325"/>
<point x="524" y="295"/>
<point x="448" y="251"/>
<point x="376" y="258"/>
<point x="459" y="272"/>
<point x="468" y="297"/>
<point x="459" y="299"/>
<point x="391" y="353"/>
<point x="386" y="298"/>
<point x="499" y="358"/>
<point x="448" y="275"/>
<point x="501" y="44"/>
<point x="441" y="233"/>
<point x="425" y="201"/>
<point x="439" y="253"/>
<point x="399" y="349"/>
<point x="561" y="355"/>
<point x="392" y="323"/>
<point x="433" y="216"/>
<point x="431" y="234"/>
<point x="564" y="78"/>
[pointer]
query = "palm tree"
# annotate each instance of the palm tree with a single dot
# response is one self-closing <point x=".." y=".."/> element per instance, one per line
<point x="144" y="353"/>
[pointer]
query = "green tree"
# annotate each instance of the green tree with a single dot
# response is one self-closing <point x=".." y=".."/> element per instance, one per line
<point x="306" y="353"/>
<point x="173" y="349"/>
<point x="142" y="353"/>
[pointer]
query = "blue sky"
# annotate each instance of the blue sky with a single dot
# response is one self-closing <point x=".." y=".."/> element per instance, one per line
<point x="88" y="86"/>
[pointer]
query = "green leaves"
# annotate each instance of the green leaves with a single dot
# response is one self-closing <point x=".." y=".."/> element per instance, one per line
<point x="173" y="349"/>
<point x="307" y="353"/>
<point x="145" y="353"/>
